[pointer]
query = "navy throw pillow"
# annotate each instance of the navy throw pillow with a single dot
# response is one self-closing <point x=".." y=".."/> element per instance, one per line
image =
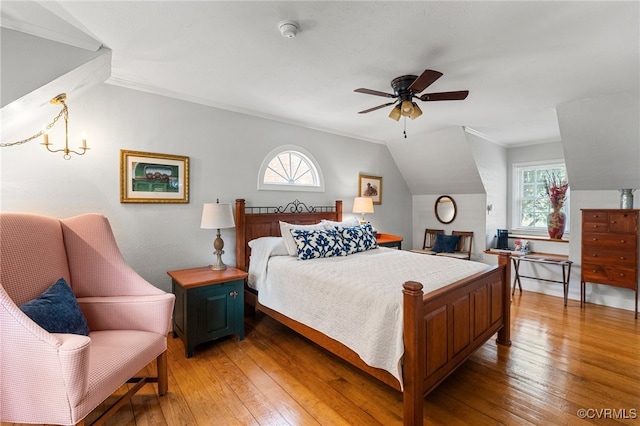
<point x="445" y="243"/>
<point x="57" y="310"/>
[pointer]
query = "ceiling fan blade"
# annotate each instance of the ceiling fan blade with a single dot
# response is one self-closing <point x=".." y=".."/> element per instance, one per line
<point x="374" y="92"/>
<point x="375" y="108"/>
<point x="445" y="96"/>
<point x="425" y="80"/>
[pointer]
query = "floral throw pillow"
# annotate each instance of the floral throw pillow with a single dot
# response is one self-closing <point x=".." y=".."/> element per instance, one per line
<point x="358" y="238"/>
<point x="315" y="244"/>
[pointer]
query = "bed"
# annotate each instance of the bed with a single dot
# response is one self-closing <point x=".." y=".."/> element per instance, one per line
<point x="440" y="329"/>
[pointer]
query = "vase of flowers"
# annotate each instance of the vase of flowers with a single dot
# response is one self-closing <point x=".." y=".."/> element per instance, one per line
<point x="556" y="188"/>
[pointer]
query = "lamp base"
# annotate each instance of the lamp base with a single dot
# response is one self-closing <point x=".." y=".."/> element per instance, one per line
<point x="218" y="245"/>
<point x="219" y="265"/>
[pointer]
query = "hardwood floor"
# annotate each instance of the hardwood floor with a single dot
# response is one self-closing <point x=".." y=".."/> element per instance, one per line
<point x="562" y="360"/>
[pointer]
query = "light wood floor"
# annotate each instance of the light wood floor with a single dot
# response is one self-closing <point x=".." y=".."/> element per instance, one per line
<point x="562" y="360"/>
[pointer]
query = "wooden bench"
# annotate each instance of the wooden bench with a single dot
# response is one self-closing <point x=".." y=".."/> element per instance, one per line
<point x="462" y="250"/>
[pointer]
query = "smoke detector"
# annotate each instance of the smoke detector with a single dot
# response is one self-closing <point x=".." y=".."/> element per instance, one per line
<point x="288" y="29"/>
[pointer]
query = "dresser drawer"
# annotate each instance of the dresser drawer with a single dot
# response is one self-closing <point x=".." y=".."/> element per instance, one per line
<point x="617" y="257"/>
<point x="595" y="216"/>
<point x="595" y="227"/>
<point x="610" y="241"/>
<point x="623" y="222"/>
<point x="611" y="275"/>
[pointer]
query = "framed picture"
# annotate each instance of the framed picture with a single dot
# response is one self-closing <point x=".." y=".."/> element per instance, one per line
<point x="370" y="186"/>
<point x="147" y="177"/>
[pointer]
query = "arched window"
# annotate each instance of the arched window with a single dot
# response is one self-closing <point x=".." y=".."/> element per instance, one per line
<point x="290" y="168"/>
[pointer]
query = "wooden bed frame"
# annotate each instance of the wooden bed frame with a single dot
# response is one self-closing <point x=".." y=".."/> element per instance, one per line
<point x="441" y="328"/>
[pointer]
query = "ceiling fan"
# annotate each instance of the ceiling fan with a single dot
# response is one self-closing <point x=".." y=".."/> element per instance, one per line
<point x="407" y="87"/>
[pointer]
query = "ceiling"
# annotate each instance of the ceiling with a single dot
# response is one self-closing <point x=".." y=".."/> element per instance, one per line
<point x="519" y="60"/>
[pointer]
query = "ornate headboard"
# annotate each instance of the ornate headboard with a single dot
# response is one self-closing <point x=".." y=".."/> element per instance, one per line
<point x="255" y="222"/>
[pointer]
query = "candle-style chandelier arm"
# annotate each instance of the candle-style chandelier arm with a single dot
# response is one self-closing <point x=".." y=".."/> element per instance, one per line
<point x="64" y="112"/>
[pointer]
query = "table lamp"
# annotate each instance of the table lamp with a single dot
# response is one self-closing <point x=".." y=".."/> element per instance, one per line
<point x="217" y="216"/>
<point x="362" y="205"/>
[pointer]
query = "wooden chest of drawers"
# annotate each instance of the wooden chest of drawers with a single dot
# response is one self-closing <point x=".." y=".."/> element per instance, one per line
<point x="610" y="252"/>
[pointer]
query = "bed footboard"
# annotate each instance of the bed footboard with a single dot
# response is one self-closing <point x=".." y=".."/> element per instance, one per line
<point x="443" y="328"/>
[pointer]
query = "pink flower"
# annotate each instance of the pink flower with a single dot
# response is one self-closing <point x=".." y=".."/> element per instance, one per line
<point x="556" y="188"/>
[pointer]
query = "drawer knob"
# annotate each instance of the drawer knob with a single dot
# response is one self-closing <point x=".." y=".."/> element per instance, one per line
<point x="594" y="271"/>
<point x="622" y="258"/>
<point x="595" y="239"/>
<point x="233" y="294"/>
<point x="594" y="255"/>
<point x="622" y="274"/>
<point x="622" y="241"/>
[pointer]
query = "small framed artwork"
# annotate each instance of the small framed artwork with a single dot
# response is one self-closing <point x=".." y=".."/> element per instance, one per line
<point x="147" y="177"/>
<point x="370" y="186"/>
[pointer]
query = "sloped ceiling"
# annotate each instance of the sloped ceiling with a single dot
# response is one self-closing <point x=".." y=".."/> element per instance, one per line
<point x="440" y="163"/>
<point x="601" y="141"/>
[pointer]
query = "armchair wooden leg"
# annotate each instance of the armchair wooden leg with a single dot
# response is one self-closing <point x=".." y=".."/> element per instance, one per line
<point x="163" y="381"/>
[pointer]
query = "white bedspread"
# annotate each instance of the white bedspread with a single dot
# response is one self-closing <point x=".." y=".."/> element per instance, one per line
<point x="357" y="299"/>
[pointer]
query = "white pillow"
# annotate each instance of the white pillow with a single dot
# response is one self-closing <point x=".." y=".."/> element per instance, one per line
<point x="261" y="250"/>
<point x="289" y="242"/>
<point x="273" y="246"/>
<point x="347" y="223"/>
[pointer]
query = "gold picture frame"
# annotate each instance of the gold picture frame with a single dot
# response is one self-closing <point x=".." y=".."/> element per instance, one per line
<point x="148" y="177"/>
<point x="370" y="186"/>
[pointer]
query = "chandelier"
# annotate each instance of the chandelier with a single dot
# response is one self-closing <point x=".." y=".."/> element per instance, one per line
<point x="64" y="113"/>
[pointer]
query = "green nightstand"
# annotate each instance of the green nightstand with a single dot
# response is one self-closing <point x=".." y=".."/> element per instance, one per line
<point x="209" y="305"/>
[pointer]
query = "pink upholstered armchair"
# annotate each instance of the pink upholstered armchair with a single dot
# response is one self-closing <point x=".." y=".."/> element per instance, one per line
<point x="57" y="378"/>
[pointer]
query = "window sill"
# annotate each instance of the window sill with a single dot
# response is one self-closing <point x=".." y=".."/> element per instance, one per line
<point x="537" y="238"/>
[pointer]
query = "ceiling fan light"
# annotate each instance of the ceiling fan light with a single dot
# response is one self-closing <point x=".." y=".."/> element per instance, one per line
<point x="407" y="108"/>
<point x="417" y="112"/>
<point x="395" y="113"/>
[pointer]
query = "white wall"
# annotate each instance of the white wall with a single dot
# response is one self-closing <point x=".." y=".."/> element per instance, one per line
<point x="225" y="150"/>
<point x="471" y="211"/>
<point x="491" y="161"/>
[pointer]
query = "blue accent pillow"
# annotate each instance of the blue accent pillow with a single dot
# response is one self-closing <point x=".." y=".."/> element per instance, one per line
<point x="358" y="238"/>
<point x="318" y="243"/>
<point x="57" y="310"/>
<point x="445" y="243"/>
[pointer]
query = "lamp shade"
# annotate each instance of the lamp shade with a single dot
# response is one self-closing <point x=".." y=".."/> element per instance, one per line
<point x="395" y="113"/>
<point x="363" y="205"/>
<point x="217" y="216"/>
<point x="417" y="112"/>
<point x="406" y="109"/>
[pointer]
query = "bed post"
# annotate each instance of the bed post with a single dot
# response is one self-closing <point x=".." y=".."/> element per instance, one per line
<point x="240" y="235"/>
<point x="414" y="353"/>
<point x="504" y="334"/>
